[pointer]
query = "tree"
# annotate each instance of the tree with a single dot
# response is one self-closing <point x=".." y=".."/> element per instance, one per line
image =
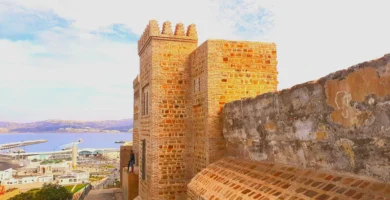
<point x="53" y="192"/>
<point x="23" y="196"/>
<point x="47" y="192"/>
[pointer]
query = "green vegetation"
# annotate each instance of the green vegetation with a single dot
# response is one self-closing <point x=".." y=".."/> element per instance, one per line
<point x="34" y="160"/>
<point x="35" y="190"/>
<point x="79" y="187"/>
<point x="23" y="196"/>
<point x="95" y="178"/>
<point x="76" y="189"/>
<point x="109" y="166"/>
<point x="47" y="192"/>
<point x="69" y="187"/>
<point x="53" y="161"/>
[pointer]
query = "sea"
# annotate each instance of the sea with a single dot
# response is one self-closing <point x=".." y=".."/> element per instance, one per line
<point x="56" y="140"/>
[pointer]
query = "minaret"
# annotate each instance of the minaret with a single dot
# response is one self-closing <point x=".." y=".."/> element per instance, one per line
<point x="74" y="156"/>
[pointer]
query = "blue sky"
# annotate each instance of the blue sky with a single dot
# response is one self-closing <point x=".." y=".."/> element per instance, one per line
<point x="72" y="59"/>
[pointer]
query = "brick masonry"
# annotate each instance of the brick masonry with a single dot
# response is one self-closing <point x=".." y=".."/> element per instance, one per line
<point x="182" y="90"/>
<point x="239" y="179"/>
<point x="223" y="71"/>
<point x="136" y="116"/>
<point x="164" y="77"/>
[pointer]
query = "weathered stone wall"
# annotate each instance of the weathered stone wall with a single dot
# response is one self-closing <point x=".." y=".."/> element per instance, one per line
<point x="239" y="179"/>
<point x="340" y="122"/>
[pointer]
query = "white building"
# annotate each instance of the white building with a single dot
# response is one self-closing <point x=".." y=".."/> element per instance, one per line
<point x="7" y="174"/>
<point x="53" y="167"/>
<point x="28" y="180"/>
<point x="81" y="176"/>
<point x="45" y="179"/>
<point x="76" y="176"/>
<point x="68" y="179"/>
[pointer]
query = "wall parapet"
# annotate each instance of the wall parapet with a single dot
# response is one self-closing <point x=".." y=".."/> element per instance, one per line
<point x="340" y="122"/>
<point x="153" y="30"/>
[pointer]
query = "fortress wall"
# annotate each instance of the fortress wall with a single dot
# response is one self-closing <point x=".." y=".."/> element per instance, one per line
<point x="198" y="107"/>
<point x="136" y="118"/>
<point x="224" y="71"/>
<point x="236" y="70"/>
<point x="340" y="123"/>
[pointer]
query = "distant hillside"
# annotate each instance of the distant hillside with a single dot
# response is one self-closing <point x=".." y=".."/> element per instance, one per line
<point x="124" y="125"/>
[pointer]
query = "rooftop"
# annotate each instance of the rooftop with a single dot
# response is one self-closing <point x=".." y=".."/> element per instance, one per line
<point x="68" y="176"/>
<point x="130" y="143"/>
<point x="78" y="171"/>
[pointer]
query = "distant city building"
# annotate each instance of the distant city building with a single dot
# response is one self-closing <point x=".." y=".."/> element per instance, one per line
<point x="67" y="179"/>
<point x="76" y="176"/>
<point x="28" y="180"/>
<point x="7" y="174"/>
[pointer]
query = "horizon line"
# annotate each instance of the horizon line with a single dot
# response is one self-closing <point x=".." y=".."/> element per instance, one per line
<point x="47" y="120"/>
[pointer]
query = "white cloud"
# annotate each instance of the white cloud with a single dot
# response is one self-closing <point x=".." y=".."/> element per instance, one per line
<point x="317" y="38"/>
<point x="313" y="39"/>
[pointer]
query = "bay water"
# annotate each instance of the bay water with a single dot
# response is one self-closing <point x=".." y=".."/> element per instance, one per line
<point x="56" y="140"/>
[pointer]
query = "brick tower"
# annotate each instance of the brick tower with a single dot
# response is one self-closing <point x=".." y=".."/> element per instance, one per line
<point x="178" y="99"/>
<point x="164" y="79"/>
<point x="223" y="71"/>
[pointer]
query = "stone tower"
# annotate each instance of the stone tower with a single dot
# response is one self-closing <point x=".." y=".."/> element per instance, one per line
<point x="178" y="99"/>
<point x="164" y="79"/>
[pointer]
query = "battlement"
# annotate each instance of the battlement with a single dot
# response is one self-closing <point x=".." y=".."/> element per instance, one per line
<point x="136" y="81"/>
<point x="153" y="30"/>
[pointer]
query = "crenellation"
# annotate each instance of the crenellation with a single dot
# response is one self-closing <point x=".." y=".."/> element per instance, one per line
<point x="191" y="31"/>
<point x="153" y="30"/>
<point x="179" y="30"/>
<point x="167" y="28"/>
